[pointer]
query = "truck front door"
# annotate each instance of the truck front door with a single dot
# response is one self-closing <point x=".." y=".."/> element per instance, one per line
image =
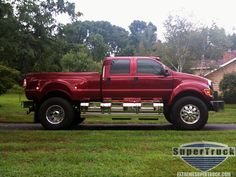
<point x="150" y="80"/>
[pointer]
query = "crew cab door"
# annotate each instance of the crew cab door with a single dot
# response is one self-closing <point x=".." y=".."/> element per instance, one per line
<point x="118" y="78"/>
<point x="151" y="81"/>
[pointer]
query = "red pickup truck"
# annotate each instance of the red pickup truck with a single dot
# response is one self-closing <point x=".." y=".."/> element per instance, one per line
<point x="57" y="98"/>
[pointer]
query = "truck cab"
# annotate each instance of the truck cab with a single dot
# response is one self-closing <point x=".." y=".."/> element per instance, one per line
<point x="136" y="77"/>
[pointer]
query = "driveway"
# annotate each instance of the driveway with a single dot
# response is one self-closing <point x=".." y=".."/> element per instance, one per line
<point x="131" y="126"/>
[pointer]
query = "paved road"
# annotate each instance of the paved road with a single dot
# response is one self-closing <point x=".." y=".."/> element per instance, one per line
<point x="31" y="126"/>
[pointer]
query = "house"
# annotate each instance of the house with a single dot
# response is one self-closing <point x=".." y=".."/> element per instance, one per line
<point x="216" y="69"/>
<point x="217" y="74"/>
<point x="204" y="66"/>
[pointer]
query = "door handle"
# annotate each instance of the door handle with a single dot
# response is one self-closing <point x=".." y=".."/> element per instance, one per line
<point x="135" y="78"/>
<point x="108" y="79"/>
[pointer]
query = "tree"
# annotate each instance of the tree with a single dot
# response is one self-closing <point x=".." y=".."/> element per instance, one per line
<point x="232" y="39"/>
<point x="143" y="37"/>
<point x="8" y="78"/>
<point x="79" y="59"/>
<point x="228" y="87"/>
<point x="99" y="36"/>
<point x="216" y="42"/>
<point x="178" y="34"/>
<point x="29" y="34"/>
<point x="186" y="43"/>
<point x="97" y="46"/>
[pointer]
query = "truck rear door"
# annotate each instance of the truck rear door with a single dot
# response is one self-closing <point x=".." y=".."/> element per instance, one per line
<point x="118" y="78"/>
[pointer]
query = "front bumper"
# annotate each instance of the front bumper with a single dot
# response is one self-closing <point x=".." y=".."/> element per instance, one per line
<point x="218" y="105"/>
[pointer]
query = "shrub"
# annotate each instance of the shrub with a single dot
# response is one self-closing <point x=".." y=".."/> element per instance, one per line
<point x="16" y="89"/>
<point x="228" y="87"/>
<point x="8" y="77"/>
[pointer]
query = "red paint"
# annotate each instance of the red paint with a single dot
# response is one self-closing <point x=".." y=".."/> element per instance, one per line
<point x="91" y="86"/>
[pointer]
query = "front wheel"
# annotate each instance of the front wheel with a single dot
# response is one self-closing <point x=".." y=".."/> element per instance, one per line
<point x="77" y="118"/>
<point x="189" y="113"/>
<point x="167" y="115"/>
<point x="56" y="113"/>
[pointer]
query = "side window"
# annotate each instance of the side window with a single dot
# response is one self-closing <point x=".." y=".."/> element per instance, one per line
<point x="145" y="66"/>
<point x="120" y="66"/>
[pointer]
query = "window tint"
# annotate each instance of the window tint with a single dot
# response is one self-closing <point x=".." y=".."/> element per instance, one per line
<point x="120" y="66"/>
<point x="148" y="67"/>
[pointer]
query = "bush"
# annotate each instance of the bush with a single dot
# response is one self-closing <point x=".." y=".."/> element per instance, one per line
<point x="228" y="87"/>
<point x="8" y="77"/>
<point x="16" y="89"/>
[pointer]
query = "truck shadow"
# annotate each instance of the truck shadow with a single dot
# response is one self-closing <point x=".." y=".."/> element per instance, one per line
<point x="32" y="126"/>
<point x="124" y="127"/>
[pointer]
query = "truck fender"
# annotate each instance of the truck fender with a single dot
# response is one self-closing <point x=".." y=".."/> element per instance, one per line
<point x="190" y="89"/>
<point x="60" y="87"/>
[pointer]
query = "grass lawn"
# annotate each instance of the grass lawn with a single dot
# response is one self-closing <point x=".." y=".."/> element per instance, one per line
<point x="106" y="153"/>
<point x="102" y="153"/>
<point x="11" y="111"/>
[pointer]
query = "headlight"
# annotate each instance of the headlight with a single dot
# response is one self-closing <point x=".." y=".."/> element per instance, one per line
<point x="210" y="83"/>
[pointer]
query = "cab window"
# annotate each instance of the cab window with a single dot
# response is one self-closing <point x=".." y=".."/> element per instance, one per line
<point x="146" y="66"/>
<point x="120" y="66"/>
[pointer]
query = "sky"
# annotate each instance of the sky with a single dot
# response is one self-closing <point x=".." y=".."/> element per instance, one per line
<point x="123" y="12"/>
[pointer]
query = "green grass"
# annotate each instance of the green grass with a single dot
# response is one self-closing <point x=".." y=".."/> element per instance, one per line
<point x="95" y="153"/>
<point x="11" y="111"/>
<point x="101" y="153"/>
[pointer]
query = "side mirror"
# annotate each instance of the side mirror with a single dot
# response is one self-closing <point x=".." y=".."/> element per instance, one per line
<point x="166" y="72"/>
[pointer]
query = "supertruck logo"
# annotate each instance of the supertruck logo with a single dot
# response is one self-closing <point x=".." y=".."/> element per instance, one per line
<point x="204" y="156"/>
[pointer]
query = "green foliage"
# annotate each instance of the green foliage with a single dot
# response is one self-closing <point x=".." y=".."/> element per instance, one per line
<point x="27" y="34"/>
<point x="143" y="37"/>
<point x="79" y="59"/>
<point x="16" y="89"/>
<point x="100" y="37"/>
<point x="8" y="78"/>
<point x="228" y="87"/>
<point x="31" y="39"/>
<point x="186" y="43"/>
<point x="98" y="47"/>
<point x="232" y="39"/>
<point x="215" y="42"/>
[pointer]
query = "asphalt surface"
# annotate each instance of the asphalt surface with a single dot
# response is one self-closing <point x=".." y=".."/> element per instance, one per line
<point x="32" y="126"/>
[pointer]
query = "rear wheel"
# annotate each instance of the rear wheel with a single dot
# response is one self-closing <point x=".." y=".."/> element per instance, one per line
<point x="189" y="113"/>
<point x="56" y="113"/>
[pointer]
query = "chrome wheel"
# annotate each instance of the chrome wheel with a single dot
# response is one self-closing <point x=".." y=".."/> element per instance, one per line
<point x="55" y="114"/>
<point x="190" y="114"/>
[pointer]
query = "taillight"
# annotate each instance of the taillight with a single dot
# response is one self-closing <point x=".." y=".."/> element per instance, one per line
<point x="24" y="83"/>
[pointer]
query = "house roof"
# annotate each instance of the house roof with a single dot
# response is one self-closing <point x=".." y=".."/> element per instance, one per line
<point x="207" y="64"/>
<point x="221" y="66"/>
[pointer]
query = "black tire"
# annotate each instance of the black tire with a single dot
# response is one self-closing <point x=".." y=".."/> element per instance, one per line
<point x="186" y="107"/>
<point x="77" y="118"/>
<point x="36" y="113"/>
<point x="167" y="115"/>
<point x="56" y="114"/>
